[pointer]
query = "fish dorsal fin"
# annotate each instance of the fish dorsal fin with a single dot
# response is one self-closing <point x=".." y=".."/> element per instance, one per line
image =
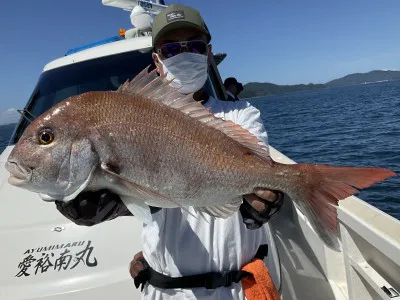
<point x="158" y="88"/>
<point x="137" y="83"/>
<point x="154" y="87"/>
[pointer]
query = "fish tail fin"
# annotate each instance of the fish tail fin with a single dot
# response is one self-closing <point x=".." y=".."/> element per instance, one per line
<point x="319" y="188"/>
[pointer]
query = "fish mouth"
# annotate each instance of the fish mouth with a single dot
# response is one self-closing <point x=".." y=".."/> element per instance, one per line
<point x="18" y="174"/>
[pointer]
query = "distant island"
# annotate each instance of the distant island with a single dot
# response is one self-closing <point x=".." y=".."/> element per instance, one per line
<point x="260" y="89"/>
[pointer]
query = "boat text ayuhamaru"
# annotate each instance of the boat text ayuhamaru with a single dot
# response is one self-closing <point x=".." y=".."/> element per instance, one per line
<point x="56" y="258"/>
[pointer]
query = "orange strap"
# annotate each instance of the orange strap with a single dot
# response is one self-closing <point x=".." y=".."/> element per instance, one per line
<point x="259" y="286"/>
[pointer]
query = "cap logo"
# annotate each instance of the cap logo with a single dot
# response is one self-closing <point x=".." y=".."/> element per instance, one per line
<point x="175" y="15"/>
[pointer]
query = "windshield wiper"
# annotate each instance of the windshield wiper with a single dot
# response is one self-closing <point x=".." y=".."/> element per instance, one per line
<point x="28" y="118"/>
<point x="24" y="112"/>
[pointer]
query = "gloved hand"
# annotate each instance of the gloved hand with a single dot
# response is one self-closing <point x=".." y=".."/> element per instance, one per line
<point x="258" y="208"/>
<point x="91" y="208"/>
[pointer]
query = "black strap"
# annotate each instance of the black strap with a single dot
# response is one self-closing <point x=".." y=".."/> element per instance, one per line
<point x="262" y="252"/>
<point x="211" y="280"/>
<point x="208" y="280"/>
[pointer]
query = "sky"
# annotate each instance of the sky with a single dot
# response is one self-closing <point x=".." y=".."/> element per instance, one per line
<point x="283" y="42"/>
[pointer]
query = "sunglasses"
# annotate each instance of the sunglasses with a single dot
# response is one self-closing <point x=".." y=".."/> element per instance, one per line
<point x="172" y="49"/>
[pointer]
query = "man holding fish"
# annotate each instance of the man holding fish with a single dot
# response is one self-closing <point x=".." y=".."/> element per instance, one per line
<point x="181" y="48"/>
<point x="205" y="242"/>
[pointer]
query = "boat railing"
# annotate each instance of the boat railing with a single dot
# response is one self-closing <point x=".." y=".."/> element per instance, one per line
<point x="371" y="244"/>
<point x="367" y="266"/>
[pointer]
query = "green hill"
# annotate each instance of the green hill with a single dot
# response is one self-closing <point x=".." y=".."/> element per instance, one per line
<point x="360" y="78"/>
<point x="260" y="89"/>
<point x="257" y="89"/>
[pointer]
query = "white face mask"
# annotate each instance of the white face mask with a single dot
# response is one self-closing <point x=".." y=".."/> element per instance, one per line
<point x="189" y="71"/>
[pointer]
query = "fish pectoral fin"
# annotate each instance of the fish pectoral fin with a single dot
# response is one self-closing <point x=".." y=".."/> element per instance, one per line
<point x="220" y="211"/>
<point x="141" y="192"/>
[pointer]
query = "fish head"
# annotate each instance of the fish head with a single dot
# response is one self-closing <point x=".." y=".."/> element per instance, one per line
<point x="53" y="157"/>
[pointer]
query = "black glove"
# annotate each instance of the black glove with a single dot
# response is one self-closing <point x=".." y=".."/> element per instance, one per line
<point x="254" y="219"/>
<point x="90" y="208"/>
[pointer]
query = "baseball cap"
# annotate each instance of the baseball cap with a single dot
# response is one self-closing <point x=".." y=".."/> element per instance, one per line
<point x="177" y="16"/>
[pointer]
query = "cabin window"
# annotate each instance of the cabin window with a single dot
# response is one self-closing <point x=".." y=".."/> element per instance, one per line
<point x="100" y="74"/>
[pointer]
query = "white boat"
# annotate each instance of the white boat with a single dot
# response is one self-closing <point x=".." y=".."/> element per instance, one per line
<point x="44" y="256"/>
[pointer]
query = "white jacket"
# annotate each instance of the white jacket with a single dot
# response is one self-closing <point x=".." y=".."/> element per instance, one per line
<point x="177" y="244"/>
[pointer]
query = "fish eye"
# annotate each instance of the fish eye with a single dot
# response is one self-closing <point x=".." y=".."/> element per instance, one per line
<point x="46" y="137"/>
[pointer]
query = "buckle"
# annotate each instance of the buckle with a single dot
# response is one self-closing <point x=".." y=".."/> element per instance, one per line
<point x="218" y="279"/>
